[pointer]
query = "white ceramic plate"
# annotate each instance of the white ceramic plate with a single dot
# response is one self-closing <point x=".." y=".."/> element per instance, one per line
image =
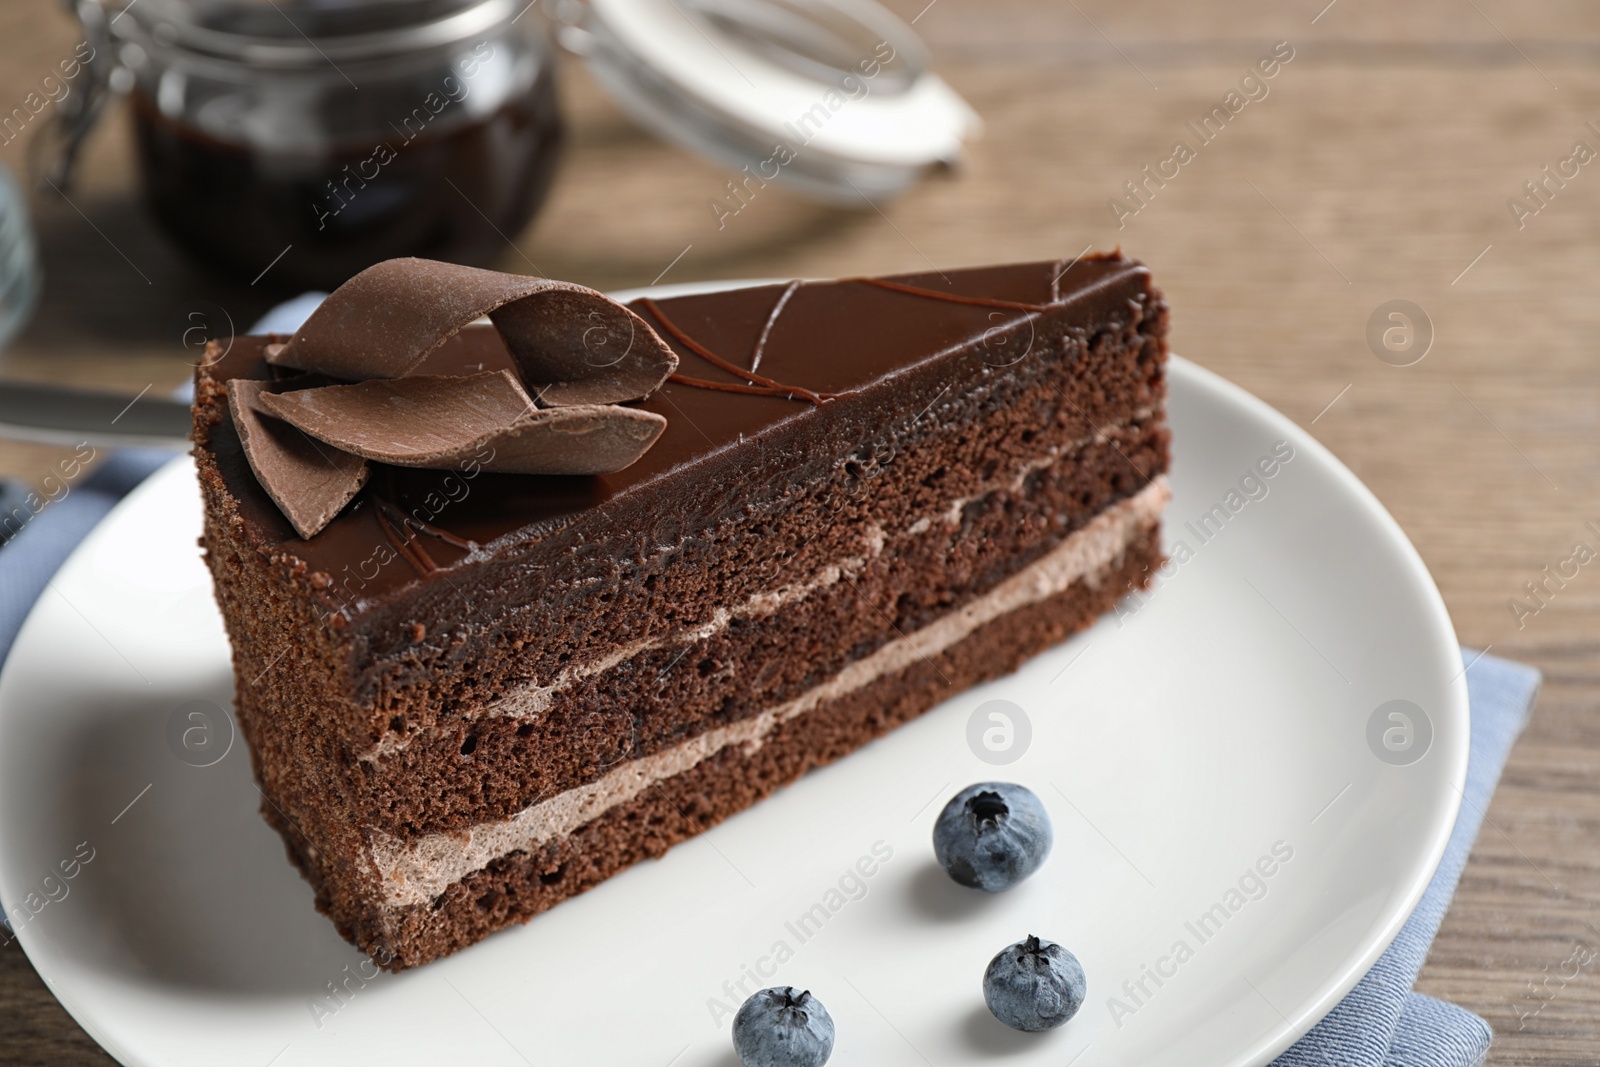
<point x="1178" y="747"/>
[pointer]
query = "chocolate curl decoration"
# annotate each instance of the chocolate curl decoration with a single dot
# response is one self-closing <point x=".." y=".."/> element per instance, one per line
<point x="579" y="355"/>
<point x="570" y="344"/>
<point x="310" y="483"/>
<point x="449" y="421"/>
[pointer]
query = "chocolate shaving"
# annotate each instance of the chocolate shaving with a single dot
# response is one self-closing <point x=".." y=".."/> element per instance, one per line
<point x="760" y="384"/>
<point x="571" y="345"/>
<point x="484" y="420"/>
<point x="309" y="481"/>
<point x="772" y="320"/>
<point x="402" y="541"/>
<point x="414" y="526"/>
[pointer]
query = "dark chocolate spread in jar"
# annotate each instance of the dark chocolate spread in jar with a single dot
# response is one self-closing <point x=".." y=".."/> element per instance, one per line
<point x="298" y="143"/>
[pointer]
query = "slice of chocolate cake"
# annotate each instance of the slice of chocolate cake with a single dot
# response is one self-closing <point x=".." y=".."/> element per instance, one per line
<point x="470" y="694"/>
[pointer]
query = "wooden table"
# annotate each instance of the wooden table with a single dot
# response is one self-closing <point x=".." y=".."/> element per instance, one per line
<point x="1378" y="168"/>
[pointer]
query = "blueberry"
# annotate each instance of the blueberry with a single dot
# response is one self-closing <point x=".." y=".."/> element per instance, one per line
<point x="783" y="1027"/>
<point x="1034" y="985"/>
<point x="992" y="835"/>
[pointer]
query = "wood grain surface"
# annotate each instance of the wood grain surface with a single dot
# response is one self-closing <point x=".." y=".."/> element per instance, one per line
<point x="1377" y="168"/>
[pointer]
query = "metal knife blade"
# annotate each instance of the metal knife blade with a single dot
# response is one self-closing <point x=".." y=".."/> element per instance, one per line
<point x="59" y="415"/>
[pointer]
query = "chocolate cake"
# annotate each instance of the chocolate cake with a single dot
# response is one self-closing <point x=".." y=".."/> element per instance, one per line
<point x="471" y="691"/>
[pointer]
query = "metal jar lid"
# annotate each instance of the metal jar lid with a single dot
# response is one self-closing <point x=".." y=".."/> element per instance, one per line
<point x="831" y="98"/>
<point x="298" y="34"/>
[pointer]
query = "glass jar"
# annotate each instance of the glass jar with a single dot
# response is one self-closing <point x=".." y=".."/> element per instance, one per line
<point x="300" y="141"/>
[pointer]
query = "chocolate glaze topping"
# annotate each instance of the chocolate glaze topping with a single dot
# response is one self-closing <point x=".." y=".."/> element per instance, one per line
<point x="851" y="339"/>
<point x="957" y="298"/>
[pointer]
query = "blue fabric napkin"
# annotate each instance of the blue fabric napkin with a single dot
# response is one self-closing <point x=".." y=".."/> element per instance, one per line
<point x="1380" y="1023"/>
<point x="32" y="554"/>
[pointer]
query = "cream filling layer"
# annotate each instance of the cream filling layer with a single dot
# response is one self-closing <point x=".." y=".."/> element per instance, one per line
<point x="416" y="873"/>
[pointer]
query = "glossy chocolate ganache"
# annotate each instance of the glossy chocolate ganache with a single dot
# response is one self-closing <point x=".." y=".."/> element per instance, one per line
<point x="752" y="362"/>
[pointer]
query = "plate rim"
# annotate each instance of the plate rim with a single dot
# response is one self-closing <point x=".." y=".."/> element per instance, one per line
<point x="1458" y="711"/>
<point x="1441" y="632"/>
